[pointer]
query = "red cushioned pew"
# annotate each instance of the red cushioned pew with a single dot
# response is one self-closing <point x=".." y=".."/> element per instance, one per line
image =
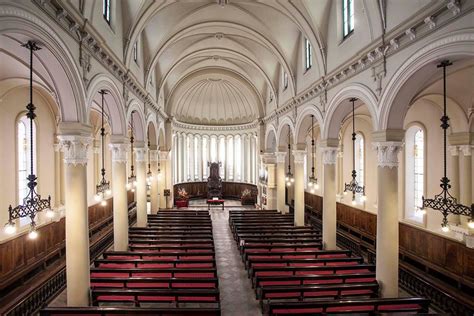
<point x="145" y="283"/>
<point x="118" y="255"/>
<point x="172" y="249"/>
<point x="111" y="311"/>
<point x="153" y="263"/>
<point x="154" y="272"/>
<point x="359" y="306"/>
<point x="140" y="296"/>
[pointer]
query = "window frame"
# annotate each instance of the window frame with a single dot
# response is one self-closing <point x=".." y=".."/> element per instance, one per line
<point x="360" y="158"/>
<point x="135" y="52"/>
<point x="308" y="54"/>
<point x="285" y="80"/>
<point x="347" y="18"/>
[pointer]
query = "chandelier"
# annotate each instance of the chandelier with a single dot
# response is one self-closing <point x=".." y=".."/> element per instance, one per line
<point x="289" y="176"/>
<point x="313" y="181"/>
<point x="132" y="179"/>
<point x="444" y="201"/>
<point x="353" y="186"/>
<point x="32" y="203"/>
<point x="103" y="188"/>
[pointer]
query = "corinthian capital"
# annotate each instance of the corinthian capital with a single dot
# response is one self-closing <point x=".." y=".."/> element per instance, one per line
<point x="329" y="155"/>
<point x="75" y="148"/>
<point x="119" y="152"/>
<point x="387" y="153"/>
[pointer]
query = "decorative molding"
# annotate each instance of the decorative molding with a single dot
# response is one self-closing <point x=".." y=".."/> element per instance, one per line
<point x="387" y="153"/>
<point x="329" y="155"/>
<point x="163" y="155"/>
<point x="299" y="156"/>
<point x="466" y="150"/>
<point x="373" y="54"/>
<point x="140" y="154"/>
<point x="177" y="125"/>
<point x="280" y="156"/>
<point x="119" y="152"/>
<point x="454" y="150"/>
<point x="75" y="149"/>
<point x="154" y="155"/>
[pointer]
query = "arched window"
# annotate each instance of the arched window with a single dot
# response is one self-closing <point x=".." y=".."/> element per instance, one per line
<point x="238" y="160"/>
<point x="360" y="158"/>
<point x="230" y="158"/>
<point x="24" y="159"/>
<point x="414" y="172"/>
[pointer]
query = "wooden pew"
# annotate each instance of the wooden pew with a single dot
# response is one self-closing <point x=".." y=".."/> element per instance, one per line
<point x="150" y="282"/>
<point x="359" y="306"/>
<point x="154" y="263"/>
<point x="307" y="254"/>
<point x="154" y="272"/>
<point x="171" y="249"/>
<point x="117" y="255"/>
<point x="111" y="311"/>
<point x="139" y="296"/>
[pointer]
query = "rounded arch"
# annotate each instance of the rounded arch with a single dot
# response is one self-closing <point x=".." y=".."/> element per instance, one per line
<point x="136" y="110"/>
<point x="54" y="63"/>
<point x="420" y="67"/>
<point x="282" y="138"/>
<point x="336" y="112"/>
<point x="303" y="121"/>
<point x="113" y="104"/>
<point x="270" y="139"/>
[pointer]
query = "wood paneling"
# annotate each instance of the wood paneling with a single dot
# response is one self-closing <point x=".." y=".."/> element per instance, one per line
<point x="20" y="256"/>
<point x="232" y="190"/>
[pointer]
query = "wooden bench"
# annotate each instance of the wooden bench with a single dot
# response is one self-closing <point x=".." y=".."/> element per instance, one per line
<point x="117" y="255"/>
<point x="139" y="296"/>
<point x="110" y="311"/>
<point x="154" y="263"/>
<point x="150" y="282"/>
<point x="171" y="249"/>
<point x="359" y="306"/>
<point x="154" y="272"/>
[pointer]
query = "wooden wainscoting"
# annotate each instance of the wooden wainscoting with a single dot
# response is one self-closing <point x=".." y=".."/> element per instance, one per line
<point x="22" y="258"/>
<point x="431" y="265"/>
<point x="230" y="190"/>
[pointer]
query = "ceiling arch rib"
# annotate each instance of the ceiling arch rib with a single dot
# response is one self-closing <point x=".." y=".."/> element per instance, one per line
<point x="217" y="31"/>
<point x="214" y="97"/>
<point x="222" y="53"/>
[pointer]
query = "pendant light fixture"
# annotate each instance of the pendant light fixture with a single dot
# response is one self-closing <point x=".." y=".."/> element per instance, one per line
<point x="132" y="179"/>
<point x="32" y="203"/>
<point x="289" y="176"/>
<point x="149" y="174"/>
<point x="353" y="186"/>
<point x="313" y="181"/>
<point x="103" y="188"/>
<point x="444" y="201"/>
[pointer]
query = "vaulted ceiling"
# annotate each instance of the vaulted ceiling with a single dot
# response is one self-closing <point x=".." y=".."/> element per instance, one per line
<point x="219" y="48"/>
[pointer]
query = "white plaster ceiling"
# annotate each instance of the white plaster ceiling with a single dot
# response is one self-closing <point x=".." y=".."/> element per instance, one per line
<point x="252" y="39"/>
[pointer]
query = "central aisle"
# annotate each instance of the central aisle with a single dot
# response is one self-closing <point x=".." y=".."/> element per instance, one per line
<point x="236" y="293"/>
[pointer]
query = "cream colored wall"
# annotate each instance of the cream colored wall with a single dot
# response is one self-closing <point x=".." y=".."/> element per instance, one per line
<point x="363" y="126"/>
<point x="12" y="106"/>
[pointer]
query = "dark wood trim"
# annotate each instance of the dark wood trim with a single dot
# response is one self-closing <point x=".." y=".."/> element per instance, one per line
<point x="230" y="190"/>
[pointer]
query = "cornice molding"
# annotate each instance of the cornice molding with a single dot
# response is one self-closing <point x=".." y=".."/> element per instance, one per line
<point x="88" y="38"/>
<point x="374" y="54"/>
<point x="185" y="127"/>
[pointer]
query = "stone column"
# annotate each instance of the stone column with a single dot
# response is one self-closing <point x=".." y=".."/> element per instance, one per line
<point x="280" y="181"/>
<point x="453" y="175"/>
<point x="299" y="158"/>
<point x="75" y="149"/>
<point x="154" y="191"/>
<point x="329" y="198"/>
<point x="163" y="157"/>
<point x="466" y="176"/>
<point x="119" y="180"/>
<point x="387" y="217"/>
<point x="140" y="155"/>
<point x="57" y="175"/>
<point x="191" y="154"/>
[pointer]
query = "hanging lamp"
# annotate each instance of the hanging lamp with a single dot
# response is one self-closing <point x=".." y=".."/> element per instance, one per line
<point x="444" y="201"/>
<point x="132" y="179"/>
<point x="313" y="181"/>
<point x="289" y="176"/>
<point x="103" y="188"/>
<point x="353" y="186"/>
<point x="32" y="203"/>
<point x="149" y="174"/>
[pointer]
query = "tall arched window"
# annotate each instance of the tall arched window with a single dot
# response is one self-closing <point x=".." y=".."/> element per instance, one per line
<point x="360" y="158"/>
<point x="414" y="172"/>
<point x="24" y="159"/>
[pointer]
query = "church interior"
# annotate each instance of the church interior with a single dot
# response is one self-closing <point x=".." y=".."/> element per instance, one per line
<point x="236" y="157"/>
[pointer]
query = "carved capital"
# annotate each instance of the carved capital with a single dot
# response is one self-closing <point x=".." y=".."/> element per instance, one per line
<point x="299" y="156"/>
<point x="329" y="155"/>
<point x="387" y="153"/>
<point x="140" y="154"/>
<point x="466" y="150"/>
<point x="119" y="152"/>
<point x="164" y="155"/>
<point x="280" y="156"/>
<point x="75" y="148"/>
<point x="454" y="150"/>
<point x="154" y="155"/>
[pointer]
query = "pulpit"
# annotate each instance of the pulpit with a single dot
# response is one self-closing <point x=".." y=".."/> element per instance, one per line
<point x="214" y="182"/>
